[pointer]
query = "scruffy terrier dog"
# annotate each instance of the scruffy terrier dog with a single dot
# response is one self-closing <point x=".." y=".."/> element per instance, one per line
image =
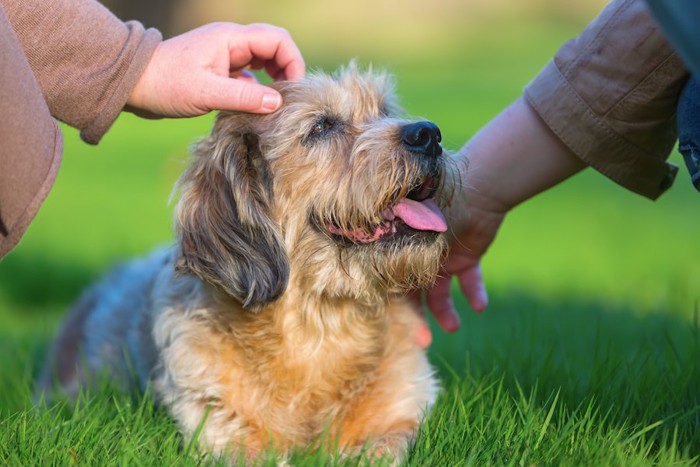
<point x="280" y="315"/>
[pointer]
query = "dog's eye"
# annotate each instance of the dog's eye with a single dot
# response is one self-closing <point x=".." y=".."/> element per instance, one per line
<point x="321" y="127"/>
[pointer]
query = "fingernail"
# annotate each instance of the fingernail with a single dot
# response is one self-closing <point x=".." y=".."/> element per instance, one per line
<point x="271" y="101"/>
<point x="424" y="337"/>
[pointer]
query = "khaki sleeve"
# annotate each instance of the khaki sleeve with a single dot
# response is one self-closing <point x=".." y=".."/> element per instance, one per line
<point x="85" y="59"/>
<point x="610" y="95"/>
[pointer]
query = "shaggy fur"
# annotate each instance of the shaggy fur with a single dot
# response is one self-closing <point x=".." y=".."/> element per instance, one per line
<point x="280" y="313"/>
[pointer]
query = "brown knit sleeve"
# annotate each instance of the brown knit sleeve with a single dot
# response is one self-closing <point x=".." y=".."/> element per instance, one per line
<point x="610" y="95"/>
<point x="86" y="60"/>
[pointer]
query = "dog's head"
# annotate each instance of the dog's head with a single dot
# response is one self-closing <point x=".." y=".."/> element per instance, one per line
<point x="334" y="194"/>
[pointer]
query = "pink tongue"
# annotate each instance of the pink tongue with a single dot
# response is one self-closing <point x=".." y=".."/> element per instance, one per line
<point x="421" y="215"/>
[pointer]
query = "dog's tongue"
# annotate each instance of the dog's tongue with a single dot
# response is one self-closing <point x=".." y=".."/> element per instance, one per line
<point x="421" y="215"/>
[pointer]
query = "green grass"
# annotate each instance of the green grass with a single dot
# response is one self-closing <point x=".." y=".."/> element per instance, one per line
<point x="588" y="355"/>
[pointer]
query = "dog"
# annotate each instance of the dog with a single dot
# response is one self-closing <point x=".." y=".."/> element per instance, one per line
<point x="280" y="316"/>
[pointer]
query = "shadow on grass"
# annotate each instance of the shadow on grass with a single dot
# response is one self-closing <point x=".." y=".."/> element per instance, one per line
<point x="640" y="368"/>
<point x="34" y="282"/>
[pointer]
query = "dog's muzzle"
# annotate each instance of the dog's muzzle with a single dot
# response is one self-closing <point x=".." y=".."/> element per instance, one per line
<point x="415" y="215"/>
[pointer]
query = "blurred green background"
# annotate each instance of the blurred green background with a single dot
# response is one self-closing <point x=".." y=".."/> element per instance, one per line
<point x="584" y="267"/>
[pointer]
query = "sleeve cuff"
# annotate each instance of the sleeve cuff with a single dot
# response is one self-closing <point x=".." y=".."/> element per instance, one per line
<point x="594" y="141"/>
<point x="144" y="43"/>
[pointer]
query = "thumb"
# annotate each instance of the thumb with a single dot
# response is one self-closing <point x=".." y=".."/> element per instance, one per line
<point x="243" y="96"/>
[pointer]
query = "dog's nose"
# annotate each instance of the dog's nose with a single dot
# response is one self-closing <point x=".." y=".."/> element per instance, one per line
<point x="423" y="138"/>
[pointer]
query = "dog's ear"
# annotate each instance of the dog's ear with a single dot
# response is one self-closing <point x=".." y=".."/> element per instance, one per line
<point x="223" y="223"/>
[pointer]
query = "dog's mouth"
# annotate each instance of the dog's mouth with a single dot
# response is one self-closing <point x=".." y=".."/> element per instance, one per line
<point x="415" y="214"/>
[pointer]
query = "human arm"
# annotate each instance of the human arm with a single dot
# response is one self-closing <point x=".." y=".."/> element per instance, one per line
<point x="85" y="60"/>
<point x="511" y="159"/>
<point x="89" y="64"/>
<point x="607" y="100"/>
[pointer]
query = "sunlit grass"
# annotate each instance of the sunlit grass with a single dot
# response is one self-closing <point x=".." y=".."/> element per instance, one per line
<point x="588" y="354"/>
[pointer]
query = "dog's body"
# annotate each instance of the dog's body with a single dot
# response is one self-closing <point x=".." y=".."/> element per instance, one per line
<point x="280" y="314"/>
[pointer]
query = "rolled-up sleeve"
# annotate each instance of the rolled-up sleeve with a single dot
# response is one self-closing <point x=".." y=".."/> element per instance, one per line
<point x="85" y="59"/>
<point x="610" y="95"/>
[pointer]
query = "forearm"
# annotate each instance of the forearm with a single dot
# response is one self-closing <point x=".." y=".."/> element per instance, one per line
<point x="514" y="157"/>
<point x="511" y="159"/>
<point x="610" y="95"/>
<point x="85" y="59"/>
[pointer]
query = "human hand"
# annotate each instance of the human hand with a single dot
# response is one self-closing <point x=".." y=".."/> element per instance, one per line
<point x="511" y="159"/>
<point x="474" y="231"/>
<point x="474" y="220"/>
<point x="206" y="69"/>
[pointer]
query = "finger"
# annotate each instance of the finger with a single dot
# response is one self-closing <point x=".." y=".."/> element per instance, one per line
<point x="241" y="95"/>
<point x="424" y="337"/>
<point x="440" y="304"/>
<point x="471" y="282"/>
<point x="257" y="63"/>
<point x="274" y="71"/>
<point x="275" y="45"/>
<point x="271" y="67"/>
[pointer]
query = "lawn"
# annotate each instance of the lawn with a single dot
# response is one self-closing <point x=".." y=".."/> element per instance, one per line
<point x="589" y="353"/>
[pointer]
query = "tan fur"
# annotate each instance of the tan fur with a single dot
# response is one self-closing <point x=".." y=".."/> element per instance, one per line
<point x="260" y="318"/>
